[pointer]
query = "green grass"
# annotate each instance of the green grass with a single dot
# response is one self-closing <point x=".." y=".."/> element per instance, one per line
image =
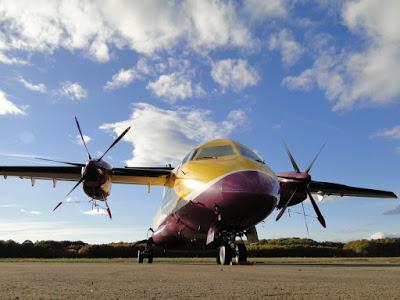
<point x="279" y="260"/>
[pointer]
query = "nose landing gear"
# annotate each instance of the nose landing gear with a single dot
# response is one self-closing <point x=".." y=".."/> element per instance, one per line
<point x="147" y="253"/>
<point x="232" y="253"/>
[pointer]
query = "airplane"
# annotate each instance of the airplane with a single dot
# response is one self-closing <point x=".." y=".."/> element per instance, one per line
<point x="218" y="193"/>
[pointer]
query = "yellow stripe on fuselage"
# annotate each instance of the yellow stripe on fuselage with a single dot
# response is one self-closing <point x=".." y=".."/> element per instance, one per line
<point x="194" y="174"/>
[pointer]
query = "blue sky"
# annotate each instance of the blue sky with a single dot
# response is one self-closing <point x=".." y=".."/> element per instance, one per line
<point x="182" y="73"/>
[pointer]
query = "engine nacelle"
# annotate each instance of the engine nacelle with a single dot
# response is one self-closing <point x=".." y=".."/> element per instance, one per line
<point x="97" y="179"/>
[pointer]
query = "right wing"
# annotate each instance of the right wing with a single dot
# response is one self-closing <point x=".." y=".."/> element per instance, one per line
<point x="145" y="176"/>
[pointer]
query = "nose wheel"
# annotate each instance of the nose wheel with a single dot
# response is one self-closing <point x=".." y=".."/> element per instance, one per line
<point x="232" y="253"/>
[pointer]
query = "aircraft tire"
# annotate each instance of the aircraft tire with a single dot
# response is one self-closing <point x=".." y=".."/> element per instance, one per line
<point x="140" y="257"/>
<point x="241" y="253"/>
<point x="150" y="257"/>
<point x="225" y="254"/>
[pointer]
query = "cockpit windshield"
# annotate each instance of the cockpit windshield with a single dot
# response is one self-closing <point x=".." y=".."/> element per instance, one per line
<point x="215" y="152"/>
<point x="249" y="153"/>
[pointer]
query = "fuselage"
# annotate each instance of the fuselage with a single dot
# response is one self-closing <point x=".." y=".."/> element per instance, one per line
<point x="221" y="184"/>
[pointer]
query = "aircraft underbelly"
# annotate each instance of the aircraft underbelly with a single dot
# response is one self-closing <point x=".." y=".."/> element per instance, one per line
<point x="235" y="202"/>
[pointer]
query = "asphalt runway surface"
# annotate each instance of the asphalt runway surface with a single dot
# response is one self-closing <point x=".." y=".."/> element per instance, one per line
<point x="128" y="280"/>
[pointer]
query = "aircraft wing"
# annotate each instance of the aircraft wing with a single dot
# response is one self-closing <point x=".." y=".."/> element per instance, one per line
<point x="42" y="172"/>
<point x="147" y="176"/>
<point x="335" y="189"/>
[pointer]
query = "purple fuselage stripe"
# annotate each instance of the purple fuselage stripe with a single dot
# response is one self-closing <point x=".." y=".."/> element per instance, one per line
<point x="242" y="199"/>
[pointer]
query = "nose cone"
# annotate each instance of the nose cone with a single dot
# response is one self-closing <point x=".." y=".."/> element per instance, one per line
<point x="247" y="197"/>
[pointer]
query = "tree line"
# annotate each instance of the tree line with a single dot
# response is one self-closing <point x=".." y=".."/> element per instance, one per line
<point x="285" y="247"/>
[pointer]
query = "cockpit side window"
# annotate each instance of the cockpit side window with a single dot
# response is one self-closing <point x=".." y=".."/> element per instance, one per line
<point x="215" y="152"/>
<point x="249" y="154"/>
<point x="189" y="156"/>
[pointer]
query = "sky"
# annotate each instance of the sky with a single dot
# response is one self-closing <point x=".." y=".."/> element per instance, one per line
<point x="184" y="72"/>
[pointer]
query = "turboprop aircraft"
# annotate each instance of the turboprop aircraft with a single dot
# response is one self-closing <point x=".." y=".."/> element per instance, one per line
<point x="219" y="192"/>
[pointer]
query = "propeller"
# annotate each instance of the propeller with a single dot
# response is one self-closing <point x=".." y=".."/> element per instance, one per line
<point x="82" y="179"/>
<point x="307" y="178"/>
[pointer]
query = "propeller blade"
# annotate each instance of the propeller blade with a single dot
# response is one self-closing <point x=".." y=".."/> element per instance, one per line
<point x="294" y="164"/>
<point x="115" y="142"/>
<point x="315" y="158"/>
<point x="317" y="211"/>
<point x="61" y="162"/>
<point x="57" y="206"/>
<point x="280" y="214"/>
<point x="108" y="210"/>
<point x="83" y="140"/>
<point x="76" y="185"/>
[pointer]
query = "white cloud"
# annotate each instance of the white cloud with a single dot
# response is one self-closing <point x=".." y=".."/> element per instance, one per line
<point x="40" y="87"/>
<point x="175" y="86"/>
<point x="73" y="90"/>
<point x="95" y="212"/>
<point x="369" y="75"/>
<point x="262" y="9"/>
<point x="392" y="133"/>
<point x="142" y="26"/>
<point x="78" y="139"/>
<point x="123" y="78"/>
<point x="7" y="107"/>
<point x="234" y="73"/>
<point x="382" y="235"/>
<point x="30" y="212"/>
<point x="289" y="48"/>
<point x="162" y="136"/>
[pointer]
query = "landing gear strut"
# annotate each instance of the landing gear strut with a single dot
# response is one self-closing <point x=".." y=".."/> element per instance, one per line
<point x="147" y="253"/>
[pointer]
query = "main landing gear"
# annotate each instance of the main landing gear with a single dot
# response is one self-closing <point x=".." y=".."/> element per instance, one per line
<point x="232" y="253"/>
<point x="147" y="253"/>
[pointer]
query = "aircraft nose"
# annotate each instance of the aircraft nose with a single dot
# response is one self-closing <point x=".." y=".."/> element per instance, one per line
<point x="248" y="197"/>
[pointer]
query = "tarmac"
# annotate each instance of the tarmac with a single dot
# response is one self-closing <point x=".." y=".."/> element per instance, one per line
<point x="161" y="280"/>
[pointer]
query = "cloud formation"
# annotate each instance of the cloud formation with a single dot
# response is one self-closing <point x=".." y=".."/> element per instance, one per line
<point x="364" y="75"/>
<point x="175" y="86"/>
<point x="7" y="107"/>
<point x="123" y="78"/>
<point x="40" y="87"/>
<point x="163" y="136"/>
<point x="286" y="44"/>
<point x="392" y="212"/>
<point x="234" y="73"/>
<point x="73" y="90"/>
<point x="382" y="235"/>
<point x="391" y="133"/>
<point x="30" y="212"/>
<point x="142" y="26"/>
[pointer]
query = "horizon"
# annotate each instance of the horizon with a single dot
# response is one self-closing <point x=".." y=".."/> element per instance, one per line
<point x="184" y="73"/>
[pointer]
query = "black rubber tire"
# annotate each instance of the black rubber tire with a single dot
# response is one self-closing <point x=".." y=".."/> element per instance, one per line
<point x="225" y="254"/>
<point x="217" y="258"/>
<point x="139" y="257"/>
<point x="150" y="257"/>
<point x="241" y="253"/>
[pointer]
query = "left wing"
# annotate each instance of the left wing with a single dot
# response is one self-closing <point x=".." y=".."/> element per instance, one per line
<point x="328" y="189"/>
